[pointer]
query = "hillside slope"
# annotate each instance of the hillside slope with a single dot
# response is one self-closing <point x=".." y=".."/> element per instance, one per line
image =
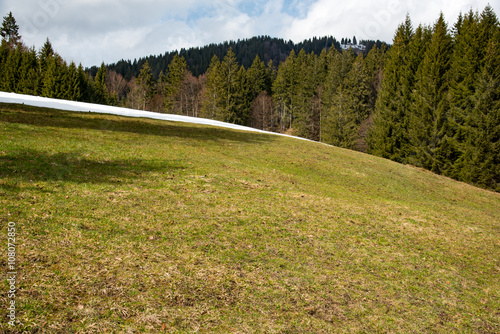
<point x="141" y="225"/>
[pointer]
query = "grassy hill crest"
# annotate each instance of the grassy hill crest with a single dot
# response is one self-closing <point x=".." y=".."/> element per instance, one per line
<point x="138" y="225"/>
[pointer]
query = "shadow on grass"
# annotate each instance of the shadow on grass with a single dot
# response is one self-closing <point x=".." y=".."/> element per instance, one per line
<point x="15" y="113"/>
<point x="32" y="165"/>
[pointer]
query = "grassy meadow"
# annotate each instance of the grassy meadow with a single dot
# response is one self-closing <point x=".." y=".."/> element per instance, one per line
<point x="142" y="226"/>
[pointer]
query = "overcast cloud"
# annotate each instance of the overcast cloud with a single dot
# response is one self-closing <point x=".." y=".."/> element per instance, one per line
<point x="93" y="31"/>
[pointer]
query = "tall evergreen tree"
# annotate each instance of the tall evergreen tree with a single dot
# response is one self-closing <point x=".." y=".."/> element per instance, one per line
<point x="483" y="165"/>
<point x="464" y="72"/>
<point x="304" y="93"/>
<point x="46" y="52"/>
<point x="54" y="80"/>
<point x="10" y="30"/>
<point x="29" y="80"/>
<point x="74" y="83"/>
<point x="147" y="83"/>
<point x="346" y="104"/>
<point x="432" y="141"/>
<point x="228" y="85"/>
<point x="242" y="97"/>
<point x="480" y="135"/>
<point x="100" y="92"/>
<point x="388" y="137"/>
<point x="11" y="73"/>
<point x="284" y="90"/>
<point x="258" y="78"/>
<point x="85" y="84"/>
<point x="177" y="73"/>
<point x="319" y="75"/>
<point x="212" y="94"/>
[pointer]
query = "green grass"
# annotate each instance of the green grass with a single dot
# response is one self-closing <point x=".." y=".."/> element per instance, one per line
<point x="135" y="225"/>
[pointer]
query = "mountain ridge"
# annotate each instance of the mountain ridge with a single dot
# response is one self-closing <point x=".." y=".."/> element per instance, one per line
<point x="198" y="58"/>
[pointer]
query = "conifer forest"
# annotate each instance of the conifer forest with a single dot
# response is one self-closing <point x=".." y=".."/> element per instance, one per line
<point x="429" y="99"/>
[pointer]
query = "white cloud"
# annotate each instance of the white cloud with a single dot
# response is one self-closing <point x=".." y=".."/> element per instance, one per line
<point x="92" y="31"/>
<point x="365" y="19"/>
<point x="374" y="19"/>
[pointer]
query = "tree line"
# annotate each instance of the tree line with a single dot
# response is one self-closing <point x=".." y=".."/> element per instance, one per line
<point x="44" y="73"/>
<point x="439" y="103"/>
<point x="430" y="100"/>
<point x="198" y="58"/>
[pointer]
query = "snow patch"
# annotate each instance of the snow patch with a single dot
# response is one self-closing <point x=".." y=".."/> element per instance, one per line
<point x="45" y="102"/>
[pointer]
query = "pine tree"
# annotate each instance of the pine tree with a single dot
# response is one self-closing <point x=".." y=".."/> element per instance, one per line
<point x="4" y="54"/>
<point x="466" y="59"/>
<point x="242" y="98"/>
<point x="284" y="90"/>
<point x="54" y="85"/>
<point x="100" y="92"/>
<point x="46" y="52"/>
<point x="257" y="77"/>
<point x="483" y="168"/>
<point x="320" y="72"/>
<point x="74" y="83"/>
<point x="177" y="73"/>
<point x="388" y="136"/>
<point x="480" y="122"/>
<point x="464" y="72"/>
<point x="11" y="73"/>
<point x="374" y="63"/>
<point x="260" y="79"/>
<point x="212" y="95"/>
<point x="146" y="82"/>
<point x="10" y="30"/>
<point x="229" y="69"/>
<point x="303" y="96"/>
<point x="432" y="141"/>
<point x="85" y="85"/>
<point x="346" y="105"/>
<point x="29" y="80"/>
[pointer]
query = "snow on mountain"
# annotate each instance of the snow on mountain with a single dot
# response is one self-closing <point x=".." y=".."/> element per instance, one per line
<point x="103" y="109"/>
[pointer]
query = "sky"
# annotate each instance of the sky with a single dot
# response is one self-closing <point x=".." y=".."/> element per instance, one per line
<point x="94" y="31"/>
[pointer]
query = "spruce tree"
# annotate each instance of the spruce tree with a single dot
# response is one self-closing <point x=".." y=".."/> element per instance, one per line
<point x="319" y="74"/>
<point x="74" y="83"/>
<point x="484" y="166"/>
<point x="4" y="54"/>
<point x="100" y="93"/>
<point x="303" y="94"/>
<point x="212" y="95"/>
<point x="374" y="63"/>
<point x="227" y="86"/>
<point x="284" y="89"/>
<point x="346" y="104"/>
<point x="257" y="78"/>
<point x="172" y="90"/>
<point x="10" y="30"/>
<point x="11" y="73"/>
<point x="85" y="85"/>
<point x="242" y="98"/>
<point x="388" y="136"/>
<point x="147" y="83"/>
<point x="465" y="67"/>
<point x="434" y="148"/>
<point x="54" y="85"/>
<point x="29" y="80"/>
<point x="480" y="135"/>
<point x="46" y="52"/>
